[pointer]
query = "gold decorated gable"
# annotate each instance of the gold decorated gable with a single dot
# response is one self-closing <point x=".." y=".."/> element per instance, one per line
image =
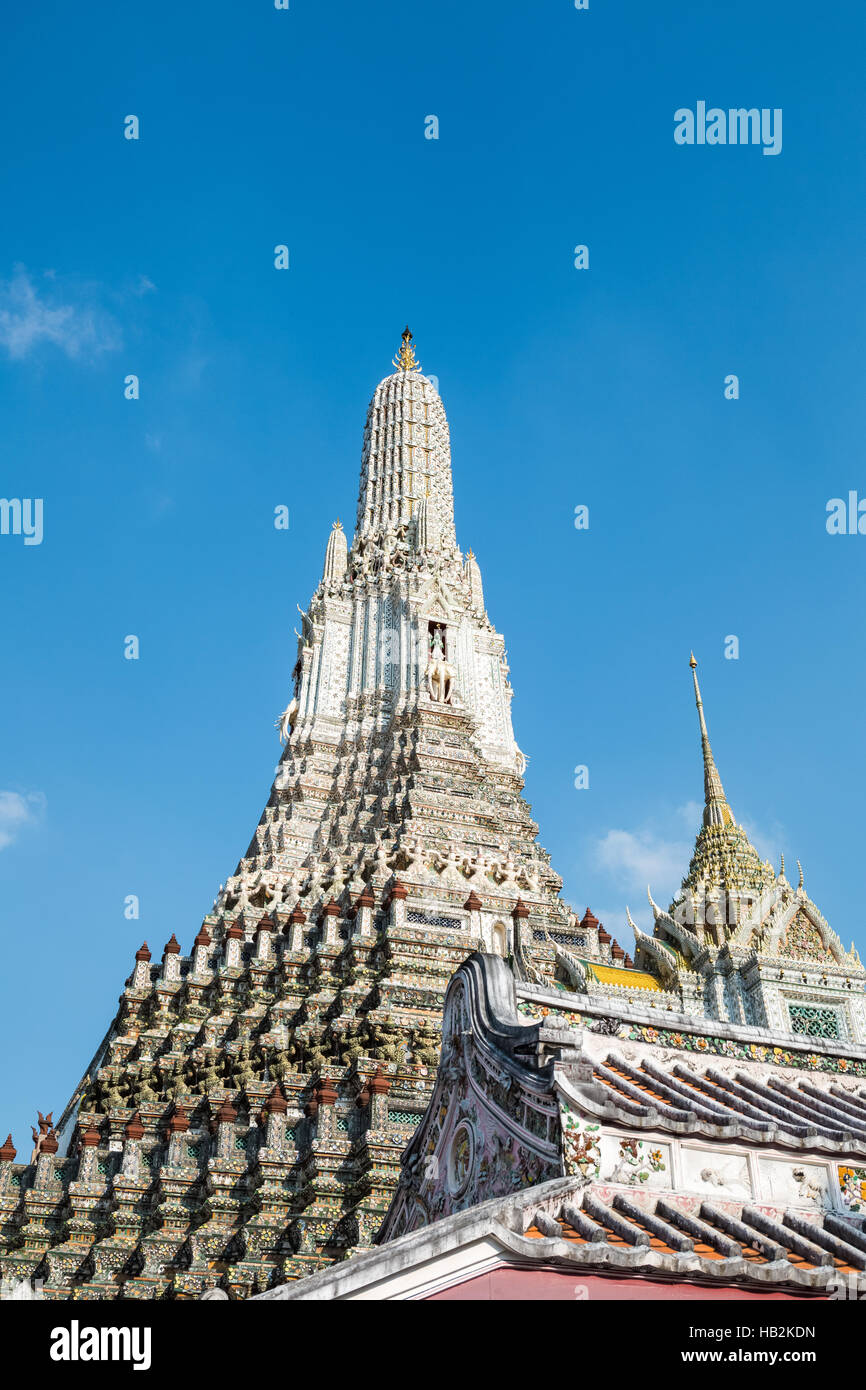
<point x="804" y="939"/>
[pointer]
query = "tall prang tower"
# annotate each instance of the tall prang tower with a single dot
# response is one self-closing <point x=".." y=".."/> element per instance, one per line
<point x="242" y="1122"/>
<point x="400" y="763"/>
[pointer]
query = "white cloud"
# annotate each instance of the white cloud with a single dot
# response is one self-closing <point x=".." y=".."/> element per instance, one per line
<point x="691" y="814"/>
<point x="29" y="319"/>
<point x="634" y="859"/>
<point x="18" y="811"/>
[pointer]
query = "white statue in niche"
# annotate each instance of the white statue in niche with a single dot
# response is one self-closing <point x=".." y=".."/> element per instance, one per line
<point x="439" y="674"/>
<point x="129" y="1162"/>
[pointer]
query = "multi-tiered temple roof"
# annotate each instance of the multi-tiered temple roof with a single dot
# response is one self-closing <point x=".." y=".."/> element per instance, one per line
<point x="600" y="1154"/>
<point x="739" y="944"/>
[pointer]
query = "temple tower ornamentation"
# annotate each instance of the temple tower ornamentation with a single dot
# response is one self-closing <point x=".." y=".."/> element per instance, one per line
<point x="242" y="1121"/>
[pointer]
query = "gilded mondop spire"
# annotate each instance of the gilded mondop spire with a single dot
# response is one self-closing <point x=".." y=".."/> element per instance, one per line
<point x="725" y="862"/>
<point x="716" y="809"/>
<point x="406" y="456"/>
<point x="735" y="925"/>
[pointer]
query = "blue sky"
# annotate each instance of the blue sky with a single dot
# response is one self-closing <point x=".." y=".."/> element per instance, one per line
<point x="602" y="387"/>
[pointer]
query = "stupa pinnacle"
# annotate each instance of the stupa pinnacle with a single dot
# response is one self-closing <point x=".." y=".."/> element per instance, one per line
<point x="725" y="860"/>
<point x="406" y="462"/>
<point x="716" y="808"/>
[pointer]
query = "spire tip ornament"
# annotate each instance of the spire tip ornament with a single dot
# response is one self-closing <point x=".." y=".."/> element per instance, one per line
<point x="716" y="809"/>
<point x="405" y="359"/>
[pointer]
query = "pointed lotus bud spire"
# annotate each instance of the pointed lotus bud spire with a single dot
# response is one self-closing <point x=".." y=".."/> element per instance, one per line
<point x="716" y="809"/>
<point x="406" y="458"/>
<point x="335" y="555"/>
<point x="226" y="1115"/>
<point x="179" y="1123"/>
<point x="800" y="871"/>
<point x="276" y="1102"/>
<point x="473" y="579"/>
<point x="134" y="1129"/>
<point x="398" y="891"/>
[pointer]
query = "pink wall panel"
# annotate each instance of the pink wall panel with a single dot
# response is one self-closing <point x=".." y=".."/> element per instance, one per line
<point x="505" y="1283"/>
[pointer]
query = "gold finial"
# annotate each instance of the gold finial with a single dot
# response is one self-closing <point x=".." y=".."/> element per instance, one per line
<point x="692" y="662"/>
<point x="338" y="525"/>
<point x="405" y="359"/>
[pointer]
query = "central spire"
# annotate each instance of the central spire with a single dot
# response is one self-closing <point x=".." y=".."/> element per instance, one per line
<point x="716" y="808"/>
<point x="406" y="463"/>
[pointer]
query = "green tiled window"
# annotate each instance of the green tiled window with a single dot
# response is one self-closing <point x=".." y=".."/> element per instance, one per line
<point x="808" y="1018"/>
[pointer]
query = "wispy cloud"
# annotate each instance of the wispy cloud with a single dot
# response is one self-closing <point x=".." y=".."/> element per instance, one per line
<point x="635" y="858"/>
<point x="31" y="317"/>
<point x="690" y="815"/>
<point x="630" y="860"/>
<point x="18" y="811"/>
